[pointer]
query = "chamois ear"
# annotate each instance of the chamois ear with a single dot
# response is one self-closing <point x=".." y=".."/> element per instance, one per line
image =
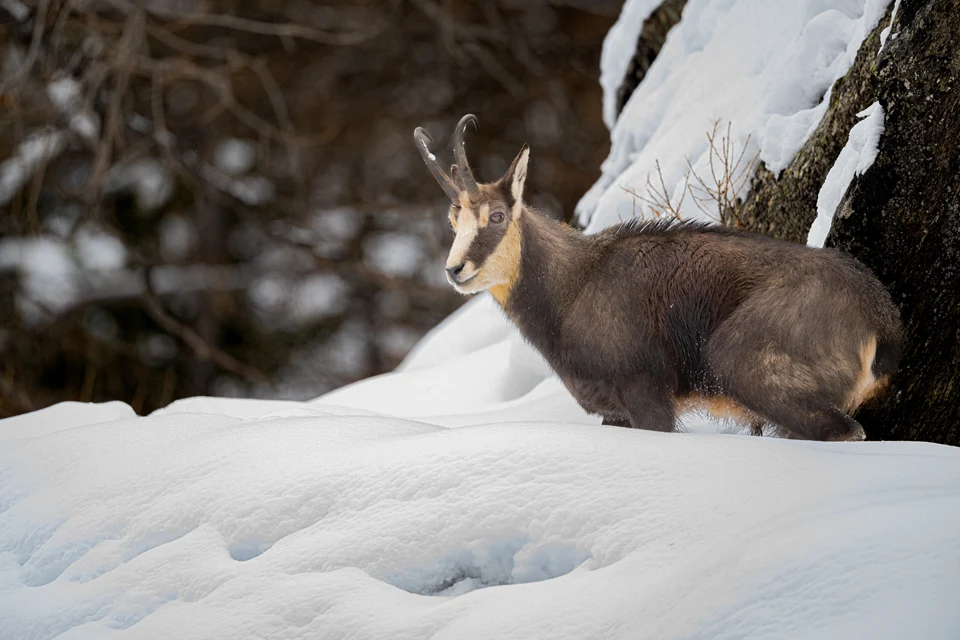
<point x="516" y="175"/>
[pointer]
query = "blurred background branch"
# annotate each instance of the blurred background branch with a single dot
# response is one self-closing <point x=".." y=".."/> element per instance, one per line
<point x="255" y="159"/>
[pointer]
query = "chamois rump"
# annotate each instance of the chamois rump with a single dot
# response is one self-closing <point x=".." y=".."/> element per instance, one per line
<point x="647" y="319"/>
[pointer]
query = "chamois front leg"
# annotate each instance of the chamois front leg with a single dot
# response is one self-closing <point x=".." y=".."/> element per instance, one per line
<point x="650" y="405"/>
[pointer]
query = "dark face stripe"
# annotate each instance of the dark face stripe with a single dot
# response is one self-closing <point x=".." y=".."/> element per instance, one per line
<point x="489" y="236"/>
<point x="486" y="242"/>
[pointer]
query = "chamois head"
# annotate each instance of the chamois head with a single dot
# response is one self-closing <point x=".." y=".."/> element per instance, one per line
<point x="486" y="248"/>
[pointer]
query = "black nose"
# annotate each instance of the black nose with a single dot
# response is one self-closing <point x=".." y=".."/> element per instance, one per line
<point x="453" y="272"/>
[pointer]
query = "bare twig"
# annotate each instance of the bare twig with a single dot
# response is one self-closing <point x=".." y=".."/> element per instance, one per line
<point x="493" y="68"/>
<point x="718" y="201"/>
<point x="658" y="198"/>
<point x="729" y="174"/>
<point x="221" y="86"/>
<point x="280" y="110"/>
<point x="183" y="45"/>
<point x="124" y="60"/>
<point x="39" y="23"/>
<point x="56" y="39"/>
<point x="448" y="24"/>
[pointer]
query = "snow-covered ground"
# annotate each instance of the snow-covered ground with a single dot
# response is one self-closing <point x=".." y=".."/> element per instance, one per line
<point x="466" y="495"/>
<point x="485" y="505"/>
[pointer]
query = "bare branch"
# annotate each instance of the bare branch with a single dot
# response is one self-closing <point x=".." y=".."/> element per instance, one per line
<point x="719" y="200"/>
<point x="123" y="60"/>
<point x="39" y="23"/>
<point x="658" y="198"/>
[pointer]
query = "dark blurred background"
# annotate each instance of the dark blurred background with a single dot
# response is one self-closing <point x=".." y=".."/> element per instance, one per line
<point x="223" y="198"/>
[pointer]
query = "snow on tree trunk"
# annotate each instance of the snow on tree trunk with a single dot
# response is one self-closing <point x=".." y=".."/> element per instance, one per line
<point x="652" y="36"/>
<point x="902" y="219"/>
<point x="785" y="206"/>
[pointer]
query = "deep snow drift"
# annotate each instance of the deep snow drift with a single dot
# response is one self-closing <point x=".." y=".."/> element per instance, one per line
<point x="466" y="495"/>
<point x="219" y="518"/>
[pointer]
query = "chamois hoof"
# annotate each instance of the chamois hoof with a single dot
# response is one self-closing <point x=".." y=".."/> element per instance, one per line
<point x="615" y="422"/>
<point x="856" y="434"/>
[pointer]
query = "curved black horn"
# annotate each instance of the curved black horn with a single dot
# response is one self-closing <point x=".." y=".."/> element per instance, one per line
<point x="422" y="138"/>
<point x="461" y="155"/>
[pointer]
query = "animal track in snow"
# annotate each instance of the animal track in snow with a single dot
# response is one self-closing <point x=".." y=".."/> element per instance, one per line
<point x="506" y="560"/>
<point x="248" y="550"/>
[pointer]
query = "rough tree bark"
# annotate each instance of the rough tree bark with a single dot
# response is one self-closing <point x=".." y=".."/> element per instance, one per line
<point x="902" y="219"/>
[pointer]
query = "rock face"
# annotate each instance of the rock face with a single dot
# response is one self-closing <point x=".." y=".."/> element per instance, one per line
<point x="902" y="219"/>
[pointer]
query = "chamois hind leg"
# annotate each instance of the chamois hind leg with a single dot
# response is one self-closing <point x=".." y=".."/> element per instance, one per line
<point x="828" y="424"/>
<point x="796" y="412"/>
<point x="799" y="383"/>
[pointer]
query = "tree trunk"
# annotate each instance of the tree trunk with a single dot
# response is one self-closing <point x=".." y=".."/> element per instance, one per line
<point x="902" y="219"/>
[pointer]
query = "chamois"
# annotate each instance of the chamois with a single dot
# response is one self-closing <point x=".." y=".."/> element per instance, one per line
<point x="647" y="319"/>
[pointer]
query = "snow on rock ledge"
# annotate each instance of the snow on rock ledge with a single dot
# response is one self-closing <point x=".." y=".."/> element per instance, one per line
<point x="856" y="157"/>
<point x="764" y="67"/>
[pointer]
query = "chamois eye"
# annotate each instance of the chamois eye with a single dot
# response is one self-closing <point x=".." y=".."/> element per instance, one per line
<point x="496" y="217"/>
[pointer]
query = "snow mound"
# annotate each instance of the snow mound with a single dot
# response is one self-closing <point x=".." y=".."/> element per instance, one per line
<point x="765" y="68"/>
<point x="226" y="519"/>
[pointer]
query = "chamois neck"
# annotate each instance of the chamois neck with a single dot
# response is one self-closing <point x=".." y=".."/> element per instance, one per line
<point x="552" y="258"/>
